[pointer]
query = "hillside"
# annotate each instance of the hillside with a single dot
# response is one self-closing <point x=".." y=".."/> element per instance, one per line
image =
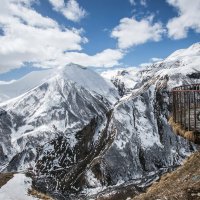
<point x="182" y="184"/>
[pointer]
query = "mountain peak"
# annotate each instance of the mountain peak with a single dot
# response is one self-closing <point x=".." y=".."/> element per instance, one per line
<point x="195" y="45"/>
<point x="71" y="65"/>
<point x="79" y="75"/>
<point x="193" y="50"/>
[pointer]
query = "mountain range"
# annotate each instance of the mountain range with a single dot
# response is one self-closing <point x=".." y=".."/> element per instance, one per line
<point x="88" y="135"/>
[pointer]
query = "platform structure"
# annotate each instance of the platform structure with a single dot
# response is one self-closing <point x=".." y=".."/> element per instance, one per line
<point x="186" y="111"/>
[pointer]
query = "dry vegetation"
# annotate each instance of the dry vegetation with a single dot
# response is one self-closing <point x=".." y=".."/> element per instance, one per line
<point x="38" y="195"/>
<point x="179" y="130"/>
<point x="4" y="178"/>
<point x="182" y="184"/>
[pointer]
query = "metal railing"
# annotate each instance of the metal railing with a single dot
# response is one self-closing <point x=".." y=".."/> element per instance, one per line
<point x="186" y="106"/>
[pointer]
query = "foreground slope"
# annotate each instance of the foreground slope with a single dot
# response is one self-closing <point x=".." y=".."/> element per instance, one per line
<point x="183" y="184"/>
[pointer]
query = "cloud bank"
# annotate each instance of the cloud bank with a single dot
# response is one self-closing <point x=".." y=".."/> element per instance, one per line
<point x="131" y="32"/>
<point x="71" y="10"/>
<point x="28" y="37"/>
<point x="188" y="18"/>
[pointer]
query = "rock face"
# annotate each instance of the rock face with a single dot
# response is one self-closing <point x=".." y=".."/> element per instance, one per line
<point x="89" y="144"/>
<point x="144" y="141"/>
<point x="62" y="168"/>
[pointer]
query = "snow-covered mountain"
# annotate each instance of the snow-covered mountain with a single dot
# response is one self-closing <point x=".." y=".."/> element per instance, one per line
<point x="123" y="79"/>
<point x="15" y="88"/>
<point x="87" y="143"/>
<point x="86" y="78"/>
<point x="183" y="62"/>
<point x="64" y="104"/>
<point x="134" y="145"/>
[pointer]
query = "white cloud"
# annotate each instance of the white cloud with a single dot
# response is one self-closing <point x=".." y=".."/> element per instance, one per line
<point x="71" y="10"/>
<point x="30" y="37"/>
<point x="58" y="4"/>
<point x="106" y="58"/>
<point x="132" y="2"/>
<point x="188" y="18"/>
<point x="145" y="64"/>
<point x="31" y="17"/>
<point x="143" y="3"/>
<point x="156" y="59"/>
<point x="131" y="32"/>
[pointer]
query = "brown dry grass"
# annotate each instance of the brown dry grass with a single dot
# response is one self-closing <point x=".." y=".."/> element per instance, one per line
<point x="190" y="136"/>
<point x="179" y="130"/>
<point x="38" y="195"/>
<point x="5" y="177"/>
<point x="182" y="184"/>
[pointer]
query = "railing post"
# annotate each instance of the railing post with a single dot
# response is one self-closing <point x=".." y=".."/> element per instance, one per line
<point x="195" y="113"/>
<point x="181" y="110"/>
<point x="188" y="111"/>
<point x="174" y="106"/>
<point x="184" y="109"/>
<point x="177" y="108"/>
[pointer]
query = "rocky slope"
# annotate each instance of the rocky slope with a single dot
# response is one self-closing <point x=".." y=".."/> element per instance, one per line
<point x="88" y="145"/>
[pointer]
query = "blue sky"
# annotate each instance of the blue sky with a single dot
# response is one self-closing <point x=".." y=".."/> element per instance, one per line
<point x="102" y="34"/>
